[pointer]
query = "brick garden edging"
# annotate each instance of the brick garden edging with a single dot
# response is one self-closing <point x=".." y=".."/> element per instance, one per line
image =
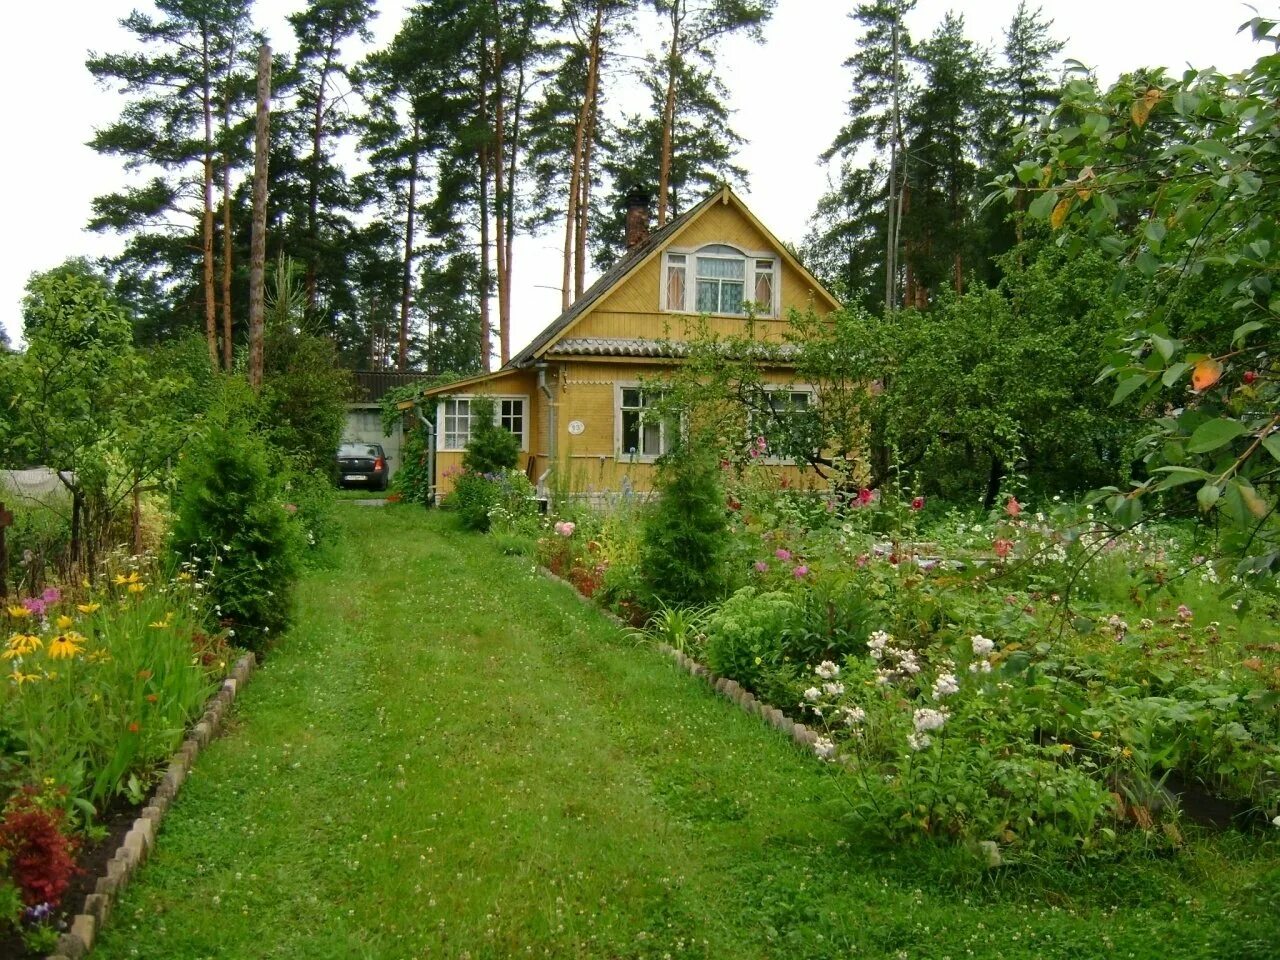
<point x="141" y="838"/>
<point x="730" y="689"/>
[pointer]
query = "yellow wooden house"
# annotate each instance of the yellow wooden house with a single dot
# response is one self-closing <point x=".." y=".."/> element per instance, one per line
<point x="574" y="395"/>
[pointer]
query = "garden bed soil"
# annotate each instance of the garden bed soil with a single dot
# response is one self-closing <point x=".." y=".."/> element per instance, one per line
<point x="91" y="864"/>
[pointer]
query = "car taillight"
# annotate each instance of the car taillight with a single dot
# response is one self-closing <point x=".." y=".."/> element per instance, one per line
<point x="379" y="464"/>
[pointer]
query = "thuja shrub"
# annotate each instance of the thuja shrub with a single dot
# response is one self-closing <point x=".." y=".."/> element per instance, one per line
<point x="232" y="520"/>
<point x="686" y="534"/>
<point x="492" y="448"/>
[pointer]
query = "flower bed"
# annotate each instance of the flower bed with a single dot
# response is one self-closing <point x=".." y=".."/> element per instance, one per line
<point x="102" y="682"/>
<point x="1025" y="684"/>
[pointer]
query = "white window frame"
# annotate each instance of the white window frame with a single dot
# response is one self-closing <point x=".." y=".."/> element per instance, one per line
<point x="625" y="455"/>
<point x="750" y="267"/>
<point x="753" y="432"/>
<point x="497" y="399"/>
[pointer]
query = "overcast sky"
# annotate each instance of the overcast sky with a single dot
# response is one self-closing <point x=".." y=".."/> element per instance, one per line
<point x="789" y="95"/>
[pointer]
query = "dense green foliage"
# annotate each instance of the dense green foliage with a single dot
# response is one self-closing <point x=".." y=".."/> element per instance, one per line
<point x="491" y="448"/>
<point x="686" y="533"/>
<point x="231" y="519"/>
<point x="1175" y="178"/>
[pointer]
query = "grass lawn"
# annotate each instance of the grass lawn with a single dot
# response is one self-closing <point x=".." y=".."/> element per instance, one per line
<point x="452" y="757"/>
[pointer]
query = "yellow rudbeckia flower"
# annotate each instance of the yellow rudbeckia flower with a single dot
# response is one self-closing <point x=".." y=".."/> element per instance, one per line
<point x="121" y="579"/>
<point x="88" y="607"/>
<point x="64" y="622"/>
<point x="20" y="678"/>
<point x="19" y="613"/>
<point x="137" y="587"/>
<point x="66" y="645"/>
<point x="22" y="644"/>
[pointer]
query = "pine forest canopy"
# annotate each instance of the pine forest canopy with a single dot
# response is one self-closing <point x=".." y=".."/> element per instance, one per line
<point x="402" y="177"/>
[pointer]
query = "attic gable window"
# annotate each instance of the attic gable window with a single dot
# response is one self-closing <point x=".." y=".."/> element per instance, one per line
<point x="724" y="281"/>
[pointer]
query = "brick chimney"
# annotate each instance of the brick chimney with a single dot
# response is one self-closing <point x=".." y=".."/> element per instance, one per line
<point x="637" y="219"/>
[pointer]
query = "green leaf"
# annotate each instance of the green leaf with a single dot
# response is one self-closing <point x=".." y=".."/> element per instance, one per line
<point x="1272" y="444"/>
<point x="1177" y="476"/>
<point x="1245" y="329"/>
<point x="1146" y="263"/>
<point x="1042" y="206"/>
<point x="1213" y="434"/>
<point x="1207" y="496"/>
<point x="1154" y="231"/>
<point x="1164" y="346"/>
<point x="1127" y="386"/>
<point x="1174" y="373"/>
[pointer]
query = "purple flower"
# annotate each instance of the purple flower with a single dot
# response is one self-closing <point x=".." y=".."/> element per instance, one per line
<point x="35" y="605"/>
<point x="51" y="595"/>
<point x="782" y="553"/>
<point x="761" y="566"/>
<point x="800" y="571"/>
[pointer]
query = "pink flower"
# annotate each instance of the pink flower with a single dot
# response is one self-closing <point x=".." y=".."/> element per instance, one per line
<point x="865" y="496"/>
<point x="754" y="453"/>
<point x="761" y="566"/>
<point x="1003" y="547"/>
<point x="1184" y="613"/>
<point x="917" y="503"/>
<point x="51" y="595"/>
<point x="782" y="553"/>
<point x="800" y="571"/>
<point x="565" y="528"/>
<point x="1013" y="507"/>
<point x="862" y="560"/>
<point x="35" y="605"/>
<point x="761" y="445"/>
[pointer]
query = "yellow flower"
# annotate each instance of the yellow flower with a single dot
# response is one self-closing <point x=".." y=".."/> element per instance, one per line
<point x="88" y="607"/>
<point x="19" y="613"/>
<point x="64" y="622"/>
<point x="121" y="579"/>
<point x="137" y="587"/>
<point x="1066" y="748"/>
<point x="162" y="624"/>
<point x="1096" y="734"/>
<point x="184" y="576"/>
<point x="20" y="678"/>
<point x="98" y="656"/>
<point x="66" y="645"/>
<point x="21" y="644"/>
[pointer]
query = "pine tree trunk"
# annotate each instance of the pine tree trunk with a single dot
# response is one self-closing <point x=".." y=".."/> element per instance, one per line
<point x="486" y="329"/>
<point x="313" y="187"/>
<point x="574" y="235"/>
<point x="500" y="209"/>
<point x="210" y="299"/>
<point x="410" y="222"/>
<point x="258" y="240"/>
<point x="584" y="205"/>
<point x="226" y="265"/>
<point x="668" y="117"/>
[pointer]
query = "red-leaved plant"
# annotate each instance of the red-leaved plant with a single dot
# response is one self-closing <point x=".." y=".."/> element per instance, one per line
<point x="41" y="855"/>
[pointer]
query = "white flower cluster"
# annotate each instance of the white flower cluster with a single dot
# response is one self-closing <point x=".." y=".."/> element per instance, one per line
<point x="852" y="716"/>
<point x="945" y="685"/>
<point x="825" y="748"/>
<point x="896" y="663"/>
<point x="827" y="670"/>
<point x="927" y="718"/>
<point x="982" y="647"/>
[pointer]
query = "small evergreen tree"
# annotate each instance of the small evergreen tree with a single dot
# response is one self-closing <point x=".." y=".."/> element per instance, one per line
<point x="492" y="448"/>
<point x="686" y="536"/>
<point x="228" y="508"/>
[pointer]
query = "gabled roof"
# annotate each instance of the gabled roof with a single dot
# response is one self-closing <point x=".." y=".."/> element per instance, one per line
<point x="607" y="281"/>
<point x="635" y="258"/>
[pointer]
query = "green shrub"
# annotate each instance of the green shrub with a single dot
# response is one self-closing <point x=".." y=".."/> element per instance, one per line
<point x="303" y="401"/>
<point x="686" y="535"/>
<point x="311" y="497"/>
<point x="491" y="448"/>
<point x="746" y="638"/>
<point x="413" y="480"/>
<point x="474" y="496"/>
<point x="230" y="516"/>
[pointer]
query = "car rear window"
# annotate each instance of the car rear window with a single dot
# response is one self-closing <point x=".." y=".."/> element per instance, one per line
<point x="358" y="450"/>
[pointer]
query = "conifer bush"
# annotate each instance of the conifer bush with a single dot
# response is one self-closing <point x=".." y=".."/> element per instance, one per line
<point x="231" y="519"/>
<point x="686" y="535"/>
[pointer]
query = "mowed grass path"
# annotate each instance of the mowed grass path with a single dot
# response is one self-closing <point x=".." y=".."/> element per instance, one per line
<point x="451" y="756"/>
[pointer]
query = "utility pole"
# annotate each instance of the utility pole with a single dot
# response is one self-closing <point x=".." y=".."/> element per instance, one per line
<point x="891" y="249"/>
<point x="258" y="241"/>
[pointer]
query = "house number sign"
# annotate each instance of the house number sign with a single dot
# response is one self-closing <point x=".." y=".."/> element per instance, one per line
<point x="576" y="427"/>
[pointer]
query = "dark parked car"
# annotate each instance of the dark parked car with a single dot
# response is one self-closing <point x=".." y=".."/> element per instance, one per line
<point x="362" y="465"/>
